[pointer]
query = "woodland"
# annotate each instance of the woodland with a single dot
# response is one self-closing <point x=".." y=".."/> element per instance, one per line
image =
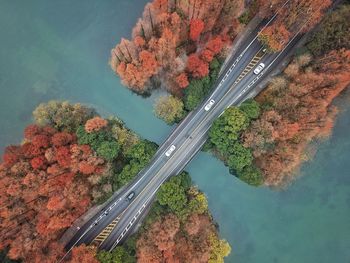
<point x="72" y="159"/>
<point x="266" y="139"/>
<point x="294" y="111"/>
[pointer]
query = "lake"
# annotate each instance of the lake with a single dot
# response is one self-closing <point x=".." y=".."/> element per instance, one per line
<point x="60" y="50"/>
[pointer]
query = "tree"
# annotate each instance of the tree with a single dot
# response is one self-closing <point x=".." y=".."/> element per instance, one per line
<point x="196" y="28"/>
<point x="169" y="108"/>
<point x="108" y="150"/>
<point x="219" y="249"/>
<point x="95" y="124"/>
<point x="62" y="115"/>
<point x="197" y="67"/>
<point x="61" y="139"/>
<point x="333" y="33"/>
<point x="251" y="175"/>
<point x="117" y="255"/>
<point x="274" y="37"/>
<point x="182" y="80"/>
<point x="239" y="157"/>
<point x="226" y="129"/>
<point x="173" y="194"/>
<point x="250" y="108"/>
<point x="84" y="254"/>
<point x="142" y="151"/>
<point x="127" y="174"/>
<point x="198" y="204"/>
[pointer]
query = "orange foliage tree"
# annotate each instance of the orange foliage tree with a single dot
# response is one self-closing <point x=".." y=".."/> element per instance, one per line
<point x="45" y="187"/>
<point x="298" y="15"/>
<point x="95" y="124"/>
<point x="302" y="111"/>
<point x="160" y="43"/>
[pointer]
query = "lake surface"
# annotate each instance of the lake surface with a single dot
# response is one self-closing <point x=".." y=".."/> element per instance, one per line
<point x="60" y="50"/>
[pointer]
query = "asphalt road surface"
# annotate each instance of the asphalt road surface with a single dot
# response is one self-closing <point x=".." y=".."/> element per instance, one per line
<point x="118" y="218"/>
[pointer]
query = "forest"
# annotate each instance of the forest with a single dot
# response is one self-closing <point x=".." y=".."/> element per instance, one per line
<point x="292" y="112"/>
<point x="72" y="159"/>
<point x="266" y="139"/>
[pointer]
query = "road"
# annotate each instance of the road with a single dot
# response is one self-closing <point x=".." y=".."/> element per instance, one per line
<point x="118" y="218"/>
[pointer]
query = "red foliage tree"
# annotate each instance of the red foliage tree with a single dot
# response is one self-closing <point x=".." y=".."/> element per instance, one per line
<point x="215" y="45"/>
<point x="38" y="162"/>
<point x="83" y="254"/>
<point x="41" y="141"/>
<point x="196" y="28"/>
<point x="182" y="80"/>
<point x="61" y="139"/>
<point x="11" y="155"/>
<point x="31" y="130"/>
<point x="63" y="156"/>
<point x="197" y="67"/>
<point x="43" y="196"/>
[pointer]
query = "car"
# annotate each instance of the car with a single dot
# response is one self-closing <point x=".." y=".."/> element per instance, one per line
<point x="171" y="149"/>
<point x="208" y="106"/>
<point x="78" y="227"/>
<point x="106" y="212"/>
<point x="130" y="195"/>
<point x="259" y="68"/>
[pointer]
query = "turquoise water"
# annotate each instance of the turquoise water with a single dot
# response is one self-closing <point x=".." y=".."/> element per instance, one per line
<point x="60" y="49"/>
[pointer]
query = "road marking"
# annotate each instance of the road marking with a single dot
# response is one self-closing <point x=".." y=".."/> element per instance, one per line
<point x="106" y="232"/>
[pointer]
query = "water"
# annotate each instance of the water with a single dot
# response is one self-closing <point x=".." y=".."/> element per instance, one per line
<point x="59" y="50"/>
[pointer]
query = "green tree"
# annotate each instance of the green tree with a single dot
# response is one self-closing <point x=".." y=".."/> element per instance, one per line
<point x="198" y="89"/>
<point x="227" y="127"/>
<point x="108" y="150"/>
<point x="251" y="108"/>
<point x="94" y="139"/>
<point x="239" y="157"/>
<point x="333" y="32"/>
<point x="194" y="94"/>
<point x="117" y="255"/>
<point x="169" y="108"/>
<point x="173" y="193"/>
<point x="62" y="115"/>
<point x="142" y="151"/>
<point x="127" y="174"/>
<point x="251" y="175"/>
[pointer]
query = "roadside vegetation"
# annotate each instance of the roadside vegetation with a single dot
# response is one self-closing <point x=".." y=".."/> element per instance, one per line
<point x="295" y="109"/>
<point x="70" y="160"/>
<point x="291" y="20"/>
<point x="261" y="141"/>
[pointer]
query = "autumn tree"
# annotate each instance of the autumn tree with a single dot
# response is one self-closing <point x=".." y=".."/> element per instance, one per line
<point x="95" y="124"/>
<point x="62" y="115"/>
<point x="196" y="28"/>
<point x="169" y="108"/>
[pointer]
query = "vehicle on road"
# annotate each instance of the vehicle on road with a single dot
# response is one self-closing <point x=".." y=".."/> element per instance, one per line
<point x="209" y="105"/>
<point x="171" y="149"/>
<point x="131" y="195"/>
<point x="259" y="68"/>
<point x="78" y="227"/>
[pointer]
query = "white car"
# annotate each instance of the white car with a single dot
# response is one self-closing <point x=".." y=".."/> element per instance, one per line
<point x="259" y="68"/>
<point x="208" y="106"/>
<point x="131" y="195"/>
<point x="171" y="149"/>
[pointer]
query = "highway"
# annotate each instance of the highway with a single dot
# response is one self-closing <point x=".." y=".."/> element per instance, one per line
<point x="118" y="218"/>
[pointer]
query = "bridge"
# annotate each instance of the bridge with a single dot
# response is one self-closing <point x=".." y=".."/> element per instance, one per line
<point x="119" y="216"/>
